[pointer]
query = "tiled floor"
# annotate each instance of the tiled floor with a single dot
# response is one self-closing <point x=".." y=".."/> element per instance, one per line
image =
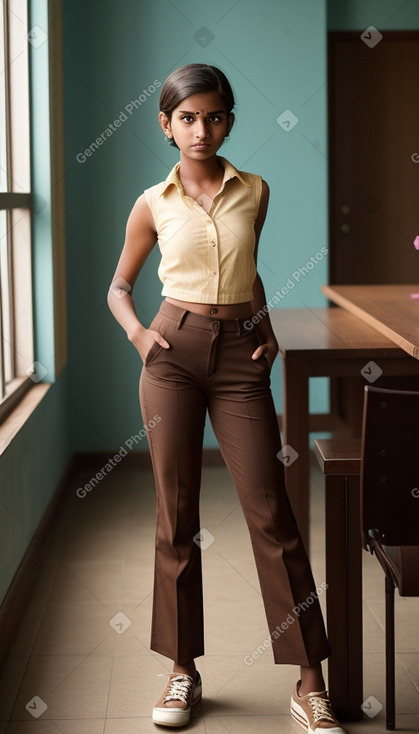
<point x="83" y="649"/>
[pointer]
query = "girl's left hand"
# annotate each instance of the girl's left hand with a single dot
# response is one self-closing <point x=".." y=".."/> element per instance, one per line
<point x="269" y="350"/>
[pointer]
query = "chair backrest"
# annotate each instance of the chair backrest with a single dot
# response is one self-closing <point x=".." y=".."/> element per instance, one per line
<point x="390" y="467"/>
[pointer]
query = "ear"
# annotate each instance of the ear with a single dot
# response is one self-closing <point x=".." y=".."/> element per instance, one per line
<point x="230" y="122"/>
<point x="165" y="125"/>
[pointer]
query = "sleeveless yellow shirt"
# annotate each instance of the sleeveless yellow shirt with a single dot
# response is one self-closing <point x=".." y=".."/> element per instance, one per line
<point x="207" y="257"/>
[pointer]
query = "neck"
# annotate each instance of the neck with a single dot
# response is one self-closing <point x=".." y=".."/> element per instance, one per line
<point x="199" y="171"/>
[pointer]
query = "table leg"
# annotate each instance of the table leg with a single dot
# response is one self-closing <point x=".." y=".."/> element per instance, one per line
<point x="344" y="594"/>
<point x="296" y="434"/>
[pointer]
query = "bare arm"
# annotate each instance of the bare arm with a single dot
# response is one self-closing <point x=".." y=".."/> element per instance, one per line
<point x="269" y="346"/>
<point x="140" y="238"/>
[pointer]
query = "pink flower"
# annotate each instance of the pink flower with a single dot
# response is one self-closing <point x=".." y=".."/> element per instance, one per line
<point x="416" y="242"/>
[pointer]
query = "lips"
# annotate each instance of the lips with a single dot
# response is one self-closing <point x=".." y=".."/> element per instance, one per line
<point x="201" y="146"/>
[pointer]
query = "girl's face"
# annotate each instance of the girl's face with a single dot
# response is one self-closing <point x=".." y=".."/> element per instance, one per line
<point x="198" y="125"/>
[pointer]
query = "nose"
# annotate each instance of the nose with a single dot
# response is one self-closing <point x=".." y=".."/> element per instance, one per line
<point x="201" y="130"/>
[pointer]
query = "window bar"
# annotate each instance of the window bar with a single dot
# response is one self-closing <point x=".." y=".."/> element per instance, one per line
<point x="7" y="91"/>
<point x="8" y="351"/>
<point x="3" y="25"/>
<point x="13" y="200"/>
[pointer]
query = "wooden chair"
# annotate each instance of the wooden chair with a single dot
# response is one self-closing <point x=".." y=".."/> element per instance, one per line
<point x="390" y="502"/>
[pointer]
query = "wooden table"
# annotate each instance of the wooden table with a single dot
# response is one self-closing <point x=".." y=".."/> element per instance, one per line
<point x="340" y="461"/>
<point x="388" y="308"/>
<point x="326" y="342"/>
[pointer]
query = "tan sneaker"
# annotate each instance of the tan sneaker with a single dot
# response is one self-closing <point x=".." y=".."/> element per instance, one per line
<point x="174" y="705"/>
<point x="313" y="712"/>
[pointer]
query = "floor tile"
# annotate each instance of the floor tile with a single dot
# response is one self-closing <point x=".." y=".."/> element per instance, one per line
<point x="71" y="687"/>
<point x="135" y="686"/>
<point x="410" y="663"/>
<point x="407" y="695"/>
<point x="406" y="621"/>
<point x="374" y="635"/>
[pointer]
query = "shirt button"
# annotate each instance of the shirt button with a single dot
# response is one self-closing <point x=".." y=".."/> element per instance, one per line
<point x="214" y="272"/>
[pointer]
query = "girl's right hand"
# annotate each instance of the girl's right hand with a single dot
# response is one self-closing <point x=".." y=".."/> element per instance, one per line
<point x="144" y="340"/>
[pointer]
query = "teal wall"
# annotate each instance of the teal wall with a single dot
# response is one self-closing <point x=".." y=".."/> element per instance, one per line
<point x="30" y="470"/>
<point x="390" y="15"/>
<point x="275" y="56"/>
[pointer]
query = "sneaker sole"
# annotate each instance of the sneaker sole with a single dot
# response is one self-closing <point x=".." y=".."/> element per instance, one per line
<point x="172" y="716"/>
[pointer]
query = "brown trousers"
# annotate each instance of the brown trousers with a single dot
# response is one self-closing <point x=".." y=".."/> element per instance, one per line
<point x="209" y="367"/>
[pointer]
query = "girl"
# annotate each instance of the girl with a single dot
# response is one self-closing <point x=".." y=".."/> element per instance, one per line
<point x="203" y="352"/>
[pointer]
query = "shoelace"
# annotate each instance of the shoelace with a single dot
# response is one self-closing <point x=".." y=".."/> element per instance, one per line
<point x="179" y="688"/>
<point x="321" y="709"/>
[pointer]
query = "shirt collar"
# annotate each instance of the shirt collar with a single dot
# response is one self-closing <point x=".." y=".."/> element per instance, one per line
<point x="229" y="172"/>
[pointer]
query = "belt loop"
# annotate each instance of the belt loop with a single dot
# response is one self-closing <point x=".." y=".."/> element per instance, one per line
<point x="242" y="325"/>
<point x="182" y="319"/>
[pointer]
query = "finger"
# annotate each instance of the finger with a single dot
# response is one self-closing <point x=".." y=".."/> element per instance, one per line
<point x="257" y="353"/>
<point x="162" y="341"/>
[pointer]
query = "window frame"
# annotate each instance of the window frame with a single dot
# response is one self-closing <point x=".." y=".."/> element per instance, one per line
<point x="13" y="389"/>
<point x="47" y="15"/>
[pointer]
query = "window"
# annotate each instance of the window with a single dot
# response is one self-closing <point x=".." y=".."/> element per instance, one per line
<point x="16" y="317"/>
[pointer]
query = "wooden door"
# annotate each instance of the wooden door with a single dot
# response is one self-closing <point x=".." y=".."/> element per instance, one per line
<point x="373" y="158"/>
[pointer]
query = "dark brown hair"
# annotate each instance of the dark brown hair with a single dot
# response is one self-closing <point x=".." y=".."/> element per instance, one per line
<point x="194" y="79"/>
